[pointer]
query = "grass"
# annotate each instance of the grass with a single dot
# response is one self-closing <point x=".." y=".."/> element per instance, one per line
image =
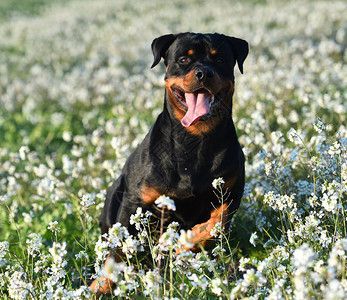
<point x="78" y="95"/>
<point x="10" y="8"/>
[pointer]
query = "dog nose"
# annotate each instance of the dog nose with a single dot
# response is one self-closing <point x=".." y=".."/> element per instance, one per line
<point x="203" y="73"/>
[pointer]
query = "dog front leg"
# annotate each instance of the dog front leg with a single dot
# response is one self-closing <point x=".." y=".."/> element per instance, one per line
<point x="202" y="232"/>
<point x="103" y="285"/>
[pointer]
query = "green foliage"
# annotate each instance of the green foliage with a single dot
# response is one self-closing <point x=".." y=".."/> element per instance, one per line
<point x="9" y="8"/>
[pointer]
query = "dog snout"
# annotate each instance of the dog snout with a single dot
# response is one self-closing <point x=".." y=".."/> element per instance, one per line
<point x="203" y="74"/>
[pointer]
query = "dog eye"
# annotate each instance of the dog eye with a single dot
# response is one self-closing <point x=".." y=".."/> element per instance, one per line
<point x="219" y="60"/>
<point x="184" y="60"/>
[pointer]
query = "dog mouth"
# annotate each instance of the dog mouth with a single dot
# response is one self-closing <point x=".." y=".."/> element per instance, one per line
<point x="197" y="104"/>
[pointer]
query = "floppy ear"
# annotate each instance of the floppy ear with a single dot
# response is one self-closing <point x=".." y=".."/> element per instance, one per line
<point x="240" y="48"/>
<point x="160" y="46"/>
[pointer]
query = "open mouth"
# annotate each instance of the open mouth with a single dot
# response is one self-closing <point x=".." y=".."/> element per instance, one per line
<point x="182" y="96"/>
<point x="197" y="103"/>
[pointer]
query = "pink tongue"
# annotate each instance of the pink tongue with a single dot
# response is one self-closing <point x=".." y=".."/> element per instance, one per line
<point x="198" y="105"/>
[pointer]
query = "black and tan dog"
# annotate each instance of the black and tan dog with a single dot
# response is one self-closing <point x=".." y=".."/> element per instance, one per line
<point x="192" y="142"/>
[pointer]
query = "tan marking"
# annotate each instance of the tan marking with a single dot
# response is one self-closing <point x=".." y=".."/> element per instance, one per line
<point x="167" y="68"/>
<point x="149" y="194"/>
<point x="202" y="232"/>
<point x="213" y="52"/>
<point x="230" y="183"/>
<point x="182" y="82"/>
<point x="104" y="289"/>
<point x="190" y="52"/>
<point x="103" y="285"/>
<point x="201" y="128"/>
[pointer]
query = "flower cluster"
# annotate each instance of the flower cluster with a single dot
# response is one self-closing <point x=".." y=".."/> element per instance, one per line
<point x="53" y="226"/>
<point x="3" y="251"/>
<point x="34" y="243"/>
<point x="165" y="202"/>
<point x="87" y="201"/>
<point x="218" y="182"/>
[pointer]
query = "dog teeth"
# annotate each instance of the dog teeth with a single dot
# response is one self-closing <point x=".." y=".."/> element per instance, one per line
<point x="212" y="101"/>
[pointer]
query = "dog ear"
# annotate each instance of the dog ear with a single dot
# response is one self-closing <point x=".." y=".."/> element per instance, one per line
<point x="160" y="46"/>
<point x="240" y="49"/>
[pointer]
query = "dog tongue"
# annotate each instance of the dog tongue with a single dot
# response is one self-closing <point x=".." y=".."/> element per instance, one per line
<point x="198" y="105"/>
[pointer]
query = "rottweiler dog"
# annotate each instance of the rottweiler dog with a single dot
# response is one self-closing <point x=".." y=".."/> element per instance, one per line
<point x="192" y="142"/>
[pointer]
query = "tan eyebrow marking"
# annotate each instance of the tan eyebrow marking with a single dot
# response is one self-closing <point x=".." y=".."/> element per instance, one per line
<point x="213" y="52"/>
<point x="190" y="52"/>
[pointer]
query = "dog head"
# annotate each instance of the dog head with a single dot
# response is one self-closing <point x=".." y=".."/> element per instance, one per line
<point x="199" y="75"/>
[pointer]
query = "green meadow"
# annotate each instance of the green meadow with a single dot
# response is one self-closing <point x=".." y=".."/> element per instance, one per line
<point x="77" y="95"/>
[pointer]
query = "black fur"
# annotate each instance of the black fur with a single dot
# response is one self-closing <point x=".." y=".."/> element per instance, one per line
<point x="178" y="162"/>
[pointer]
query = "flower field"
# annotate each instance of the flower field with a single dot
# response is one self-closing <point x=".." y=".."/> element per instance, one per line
<point x="77" y="95"/>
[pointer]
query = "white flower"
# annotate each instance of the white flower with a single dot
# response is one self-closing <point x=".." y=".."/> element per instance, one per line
<point x="303" y="258"/>
<point x="325" y="240"/>
<point x="82" y="254"/>
<point x="253" y="238"/>
<point x="337" y="256"/>
<point x="117" y="234"/>
<point x="319" y="126"/>
<point x="34" y="243"/>
<point x="329" y="203"/>
<point x="243" y="262"/>
<point x="23" y="151"/>
<point x="217" y="230"/>
<point x="87" y="201"/>
<point x="292" y="135"/>
<point x="130" y="245"/>
<point x="67" y="165"/>
<point x="53" y="226"/>
<point x="3" y="250"/>
<point x="101" y="250"/>
<point x="83" y="292"/>
<point x="113" y="270"/>
<point x="19" y="288"/>
<point x="67" y="136"/>
<point x="218" y="250"/>
<point x="185" y="239"/>
<point x="313" y="200"/>
<point x="58" y="251"/>
<point x="28" y="217"/>
<point x="248" y="279"/>
<point x="336" y="289"/>
<point x="46" y="186"/>
<point x="139" y="218"/>
<point x="268" y="167"/>
<point x="330" y="198"/>
<point x="150" y="281"/>
<point x="335" y="149"/>
<point x="218" y="182"/>
<point x="165" y="202"/>
<point x="280" y="202"/>
<point x="168" y="239"/>
<point x="198" y="281"/>
<point x="41" y="170"/>
<point x="215" y="285"/>
<point x="136" y="218"/>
